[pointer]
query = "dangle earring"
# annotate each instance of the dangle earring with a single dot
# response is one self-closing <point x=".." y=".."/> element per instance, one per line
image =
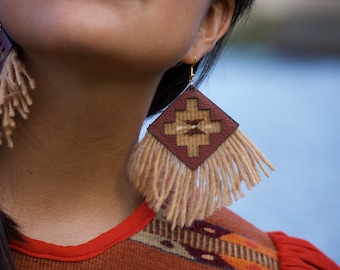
<point x="193" y="159"/>
<point x="15" y="84"/>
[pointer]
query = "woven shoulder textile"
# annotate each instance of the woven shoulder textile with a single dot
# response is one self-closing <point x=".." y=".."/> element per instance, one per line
<point x="208" y="244"/>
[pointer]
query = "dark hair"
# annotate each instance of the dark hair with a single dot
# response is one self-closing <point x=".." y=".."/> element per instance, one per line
<point x="8" y="230"/>
<point x="175" y="79"/>
<point x="172" y="84"/>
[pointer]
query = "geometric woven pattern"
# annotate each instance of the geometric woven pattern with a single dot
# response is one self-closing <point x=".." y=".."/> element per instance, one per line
<point x="208" y="244"/>
<point x="192" y="127"/>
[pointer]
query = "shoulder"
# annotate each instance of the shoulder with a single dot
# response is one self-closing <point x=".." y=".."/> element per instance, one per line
<point x="227" y="219"/>
<point x="226" y="241"/>
<point x="223" y="241"/>
<point x="292" y="253"/>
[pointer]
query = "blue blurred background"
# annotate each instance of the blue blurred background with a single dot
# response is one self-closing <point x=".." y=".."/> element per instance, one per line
<point x="290" y="109"/>
<point x="280" y="79"/>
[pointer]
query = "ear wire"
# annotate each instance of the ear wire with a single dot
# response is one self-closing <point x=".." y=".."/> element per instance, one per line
<point x="192" y="74"/>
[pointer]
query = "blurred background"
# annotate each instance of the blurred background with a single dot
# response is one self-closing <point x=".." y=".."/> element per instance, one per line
<point x="279" y="77"/>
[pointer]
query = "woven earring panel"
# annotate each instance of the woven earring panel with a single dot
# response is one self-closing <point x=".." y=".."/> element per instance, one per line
<point x="192" y="127"/>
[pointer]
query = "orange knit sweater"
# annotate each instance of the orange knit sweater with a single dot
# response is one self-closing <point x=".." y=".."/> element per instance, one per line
<point x="146" y="241"/>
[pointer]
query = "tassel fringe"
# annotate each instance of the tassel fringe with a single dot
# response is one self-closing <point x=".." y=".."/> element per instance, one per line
<point x="15" y="84"/>
<point x="187" y="194"/>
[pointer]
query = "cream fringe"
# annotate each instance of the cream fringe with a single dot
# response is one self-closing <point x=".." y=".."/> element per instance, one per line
<point x="14" y="97"/>
<point x="166" y="182"/>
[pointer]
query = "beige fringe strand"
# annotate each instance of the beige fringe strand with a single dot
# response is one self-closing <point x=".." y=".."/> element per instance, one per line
<point x="187" y="195"/>
<point x="14" y="97"/>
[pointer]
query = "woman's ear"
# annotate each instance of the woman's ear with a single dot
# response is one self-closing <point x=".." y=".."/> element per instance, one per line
<point x="214" y="26"/>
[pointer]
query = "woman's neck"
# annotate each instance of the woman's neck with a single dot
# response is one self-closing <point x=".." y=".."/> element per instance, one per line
<point x="68" y="165"/>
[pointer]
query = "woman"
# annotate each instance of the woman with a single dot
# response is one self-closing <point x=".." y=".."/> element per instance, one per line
<point x="99" y="70"/>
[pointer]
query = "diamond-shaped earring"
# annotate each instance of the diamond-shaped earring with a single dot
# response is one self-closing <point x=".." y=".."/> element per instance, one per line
<point x="193" y="159"/>
<point x="15" y="84"/>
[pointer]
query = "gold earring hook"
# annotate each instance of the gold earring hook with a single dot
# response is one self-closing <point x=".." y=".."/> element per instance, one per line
<point x="192" y="74"/>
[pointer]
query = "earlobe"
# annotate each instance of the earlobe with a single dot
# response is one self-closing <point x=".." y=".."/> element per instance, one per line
<point x="214" y="26"/>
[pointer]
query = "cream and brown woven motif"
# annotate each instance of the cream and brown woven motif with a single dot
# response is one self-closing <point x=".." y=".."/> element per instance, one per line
<point x="193" y="127"/>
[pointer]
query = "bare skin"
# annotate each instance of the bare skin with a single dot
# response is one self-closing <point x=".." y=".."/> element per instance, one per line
<point x="65" y="180"/>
